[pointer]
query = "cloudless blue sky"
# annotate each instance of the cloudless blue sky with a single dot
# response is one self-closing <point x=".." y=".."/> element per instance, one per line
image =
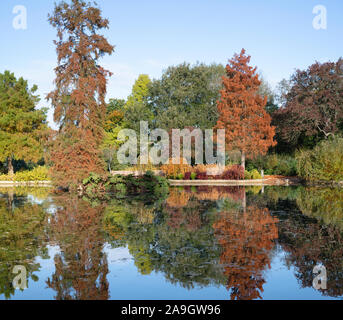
<point x="150" y="35"/>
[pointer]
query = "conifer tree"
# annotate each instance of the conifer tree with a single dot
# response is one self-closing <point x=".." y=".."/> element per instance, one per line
<point x="79" y="97"/>
<point x="140" y="91"/>
<point x="22" y="125"/>
<point x="242" y="110"/>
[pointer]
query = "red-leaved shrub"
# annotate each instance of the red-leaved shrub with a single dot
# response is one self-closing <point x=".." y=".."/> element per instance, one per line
<point x="236" y="172"/>
<point x="202" y="176"/>
<point x="187" y="176"/>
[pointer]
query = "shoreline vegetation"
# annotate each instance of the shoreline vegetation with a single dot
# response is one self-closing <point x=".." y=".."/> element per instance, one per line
<point x="214" y="183"/>
<point x="157" y="176"/>
<point x="269" y="170"/>
<point x="317" y="167"/>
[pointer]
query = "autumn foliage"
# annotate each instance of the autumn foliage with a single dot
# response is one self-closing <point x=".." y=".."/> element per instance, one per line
<point x="180" y="197"/>
<point x="81" y="267"/>
<point x="313" y="106"/>
<point x="78" y="99"/>
<point x="242" y="110"/>
<point x="201" y="171"/>
<point x="247" y="239"/>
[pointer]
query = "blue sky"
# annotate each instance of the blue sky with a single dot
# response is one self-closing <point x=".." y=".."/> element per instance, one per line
<point x="150" y="35"/>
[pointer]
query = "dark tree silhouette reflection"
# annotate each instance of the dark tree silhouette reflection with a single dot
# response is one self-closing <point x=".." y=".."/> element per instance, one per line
<point x="308" y="243"/>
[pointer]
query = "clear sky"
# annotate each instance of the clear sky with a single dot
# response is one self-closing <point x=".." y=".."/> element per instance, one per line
<point x="150" y="35"/>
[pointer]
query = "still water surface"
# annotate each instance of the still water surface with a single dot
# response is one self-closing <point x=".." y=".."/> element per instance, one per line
<point x="197" y="243"/>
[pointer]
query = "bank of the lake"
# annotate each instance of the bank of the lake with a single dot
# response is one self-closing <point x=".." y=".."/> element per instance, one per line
<point x="25" y="183"/>
<point x="120" y="176"/>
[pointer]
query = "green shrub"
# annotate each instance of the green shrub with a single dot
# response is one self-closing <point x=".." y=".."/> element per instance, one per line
<point x="271" y="162"/>
<point x="193" y="176"/>
<point x="180" y="176"/>
<point x="154" y="187"/>
<point x="324" y="162"/>
<point x="256" y="163"/>
<point x="4" y="177"/>
<point x="274" y="164"/>
<point x="255" y="175"/>
<point x="247" y="175"/>
<point x="287" y="166"/>
<point x="37" y="174"/>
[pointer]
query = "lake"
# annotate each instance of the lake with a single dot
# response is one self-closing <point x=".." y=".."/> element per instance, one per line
<point x="197" y="243"/>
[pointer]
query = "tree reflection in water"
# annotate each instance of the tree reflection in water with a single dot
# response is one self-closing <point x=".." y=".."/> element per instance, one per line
<point x="22" y="238"/>
<point x="247" y="239"/>
<point x="245" y="235"/>
<point x="314" y="236"/>
<point x="197" y="237"/>
<point x="81" y="268"/>
<point x="184" y="251"/>
<point x="201" y="237"/>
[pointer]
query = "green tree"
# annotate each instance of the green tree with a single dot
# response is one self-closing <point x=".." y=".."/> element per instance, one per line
<point x="186" y="96"/>
<point x="115" y="105"/>
<point x="137" y="108"/>
<point x="22" y="125"/>
<point x="110" y="146"/>
<point x="140" y="90"/>
<point x="282" y="89"/>
<point x="113" y="124"/>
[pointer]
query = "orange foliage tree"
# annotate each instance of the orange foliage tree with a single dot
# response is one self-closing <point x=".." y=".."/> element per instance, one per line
<point x="242" y="110"/>
<point x="79" y="96"/>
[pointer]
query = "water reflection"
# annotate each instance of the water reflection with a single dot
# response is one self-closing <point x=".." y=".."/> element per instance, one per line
<point x="22" y="238"/>
<point x="308" y="244"/>
<point x="246" y="237"/>
<point x="81" y="267"/>
<point x="196" y="238"/>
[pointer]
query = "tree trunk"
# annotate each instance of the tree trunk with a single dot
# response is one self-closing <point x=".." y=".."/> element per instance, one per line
<point x="244" y="201"/>
<point x="10" y="167"/>
<point x="243" y="160"/>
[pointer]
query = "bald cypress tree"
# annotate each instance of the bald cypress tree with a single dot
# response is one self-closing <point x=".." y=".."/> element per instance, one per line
<point x="242" y="110"/>
<point x="79" y="96"/>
